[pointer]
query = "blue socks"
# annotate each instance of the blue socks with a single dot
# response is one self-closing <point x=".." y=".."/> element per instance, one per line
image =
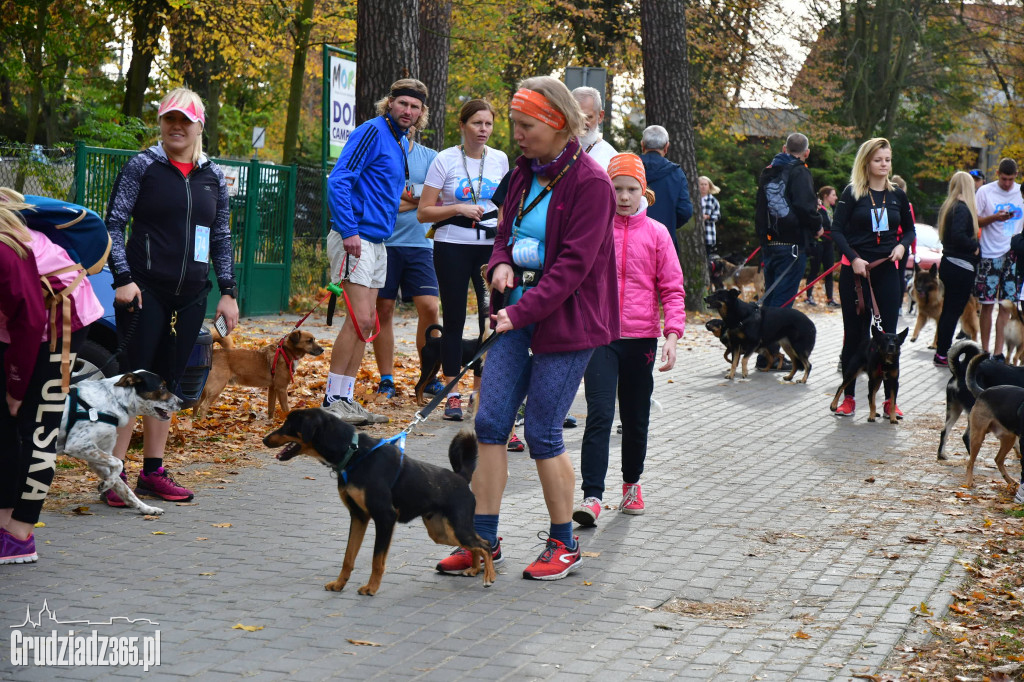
<point x="486" y="526"/>
<point x="563" y="533"/>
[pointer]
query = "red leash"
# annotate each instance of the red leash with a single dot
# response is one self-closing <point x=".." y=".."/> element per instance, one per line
<point x="817" y="279"/>
<point x="280" y="344"/>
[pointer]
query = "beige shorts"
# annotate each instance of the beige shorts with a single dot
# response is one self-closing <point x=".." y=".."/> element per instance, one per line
<point x="370" y="269"/>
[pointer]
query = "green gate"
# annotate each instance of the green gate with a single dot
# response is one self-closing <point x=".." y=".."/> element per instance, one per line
<point x="262" y="212"/>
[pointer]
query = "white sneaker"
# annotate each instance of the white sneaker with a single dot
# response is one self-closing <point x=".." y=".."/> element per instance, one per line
<point x="370" y="417"/>
<point x="1019" y="497"/>
<point x="343" y="410"/>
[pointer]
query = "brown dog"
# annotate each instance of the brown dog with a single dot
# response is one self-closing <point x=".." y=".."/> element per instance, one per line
<point x="928" y="294"/>
<point x="256" y="368"/>
<point x="747" y="276"/>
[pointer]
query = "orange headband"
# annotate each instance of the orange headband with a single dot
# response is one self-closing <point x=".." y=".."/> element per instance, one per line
<point x="628" y="164"/>
<point x="536" y="105"/>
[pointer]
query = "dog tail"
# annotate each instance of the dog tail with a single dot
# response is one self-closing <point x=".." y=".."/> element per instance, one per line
<point x="462" y="453"/>
<point x="972" y="373"/>
<point x="224" y="342"/>
<point x="960" y="354"/>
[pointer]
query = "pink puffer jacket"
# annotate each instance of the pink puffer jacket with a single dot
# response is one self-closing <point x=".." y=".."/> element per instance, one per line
<point x="647" y="269"/>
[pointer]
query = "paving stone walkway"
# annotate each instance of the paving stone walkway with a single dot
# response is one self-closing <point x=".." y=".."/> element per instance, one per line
<point x="774" y="547"/>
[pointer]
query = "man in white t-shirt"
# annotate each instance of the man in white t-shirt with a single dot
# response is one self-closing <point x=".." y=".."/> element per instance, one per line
<point x="593" y="112"/>
<point x="1000" y="216"/>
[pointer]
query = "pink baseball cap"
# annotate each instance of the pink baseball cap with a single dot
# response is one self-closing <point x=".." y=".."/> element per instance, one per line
<point x="189" y="109"/>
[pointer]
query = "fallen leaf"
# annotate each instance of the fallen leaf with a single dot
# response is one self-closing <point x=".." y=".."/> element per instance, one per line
<point x="587" y="583"/>
<point x="361" y="642"/>
<point x="310" y="478"/>
<point x="150" y="517"/>
<point x="40" y="524"/>
<point x="159" y="532"/>
<point x="914" y="540"/>
<point x="590" y="554"/>
<point x="249" y="628"/>
<point x="202" y="538"/>
<point x="869" y="479"/>
<point x="221" y="525"/>
<point x="800" y="634"/>
<point x="207" y="574"/>
<point x="83" y="511"/>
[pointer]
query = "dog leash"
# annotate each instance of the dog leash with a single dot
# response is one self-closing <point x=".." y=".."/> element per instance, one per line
<point x="779" y="278"/>
<point x="816" y="280"/>
<point x="744" y="263"/>
<point x="876" y="316"/>
<point x="133" y="322"/>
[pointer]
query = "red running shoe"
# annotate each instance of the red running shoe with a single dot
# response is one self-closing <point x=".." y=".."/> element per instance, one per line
<point x="885" y="410"/>
<point x="847" y="408"/>
<point x="555" y="562"/>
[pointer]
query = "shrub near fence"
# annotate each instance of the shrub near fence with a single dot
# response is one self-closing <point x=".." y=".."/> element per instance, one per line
<point x="34" y="169"/>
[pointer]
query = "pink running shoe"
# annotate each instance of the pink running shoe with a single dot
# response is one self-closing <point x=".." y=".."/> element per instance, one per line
<point x="15" y="551"/>
<point x="847" y="407"/>
<point x="885" y="410"/>
<point x="632" y="499"/>
<point x="160" y="484"/>
<point x="586" y="514"/>
<point x="113" y="499"/>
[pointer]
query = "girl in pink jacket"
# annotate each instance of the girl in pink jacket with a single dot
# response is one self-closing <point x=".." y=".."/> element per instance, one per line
<point x="648" y="273"/>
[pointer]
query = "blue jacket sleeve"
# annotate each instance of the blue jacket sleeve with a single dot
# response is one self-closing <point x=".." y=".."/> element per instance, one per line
<point x="362" y="145"/>
<point x="684" y="208"/>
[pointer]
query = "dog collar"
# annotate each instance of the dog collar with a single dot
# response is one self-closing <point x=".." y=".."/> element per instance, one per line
<point x="341" y="466"/>
<point x="346" y="460"/>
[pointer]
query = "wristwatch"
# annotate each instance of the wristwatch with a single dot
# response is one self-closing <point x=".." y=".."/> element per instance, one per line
<point x="231" y="291"/>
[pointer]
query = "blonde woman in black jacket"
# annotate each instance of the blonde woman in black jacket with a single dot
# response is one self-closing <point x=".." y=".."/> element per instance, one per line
<point x="958" y="230"/>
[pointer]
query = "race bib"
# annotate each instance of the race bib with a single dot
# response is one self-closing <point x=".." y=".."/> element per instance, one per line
<point x="879" y="219"/>
<point x="202" y="249"/>
<point x="528" y="252"/>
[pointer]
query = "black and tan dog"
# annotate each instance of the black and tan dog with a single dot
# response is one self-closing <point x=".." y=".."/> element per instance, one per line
<point x="998" y="410"/>
<point x="929" y="293"/>
<point x="750" y="328"/>
<point x="879" y="358"/>
<point x="272" y="367"/>
<point x="377" y="481"/>
<point x="985" y="373"/>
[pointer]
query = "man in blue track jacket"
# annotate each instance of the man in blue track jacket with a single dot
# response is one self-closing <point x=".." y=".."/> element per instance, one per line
<point x="363" y="193"/>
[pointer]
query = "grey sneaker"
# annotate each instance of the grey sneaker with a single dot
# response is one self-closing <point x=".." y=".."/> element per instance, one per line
<point x="344" y="410"/>
<point x="1019" y="497"/>
<point x="370" y="417"/>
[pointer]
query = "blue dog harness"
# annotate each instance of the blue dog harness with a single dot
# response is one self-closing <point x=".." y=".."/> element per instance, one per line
<point x="346" y="463"/>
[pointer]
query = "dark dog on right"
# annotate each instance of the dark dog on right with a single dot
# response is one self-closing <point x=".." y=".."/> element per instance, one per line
<point x="998" y="410"/>
<point x="879" y="358"/>
<point x="430" y="358"/>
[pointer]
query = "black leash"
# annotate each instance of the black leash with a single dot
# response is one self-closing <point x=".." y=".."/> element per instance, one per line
<point x="432" y="405"/>
<point x="133" y="322"/>
<point x="779" y="278"/>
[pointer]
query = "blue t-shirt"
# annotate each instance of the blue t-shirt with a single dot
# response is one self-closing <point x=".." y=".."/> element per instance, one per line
<point x="408" y="230"/>
<point x="528" y="247"/>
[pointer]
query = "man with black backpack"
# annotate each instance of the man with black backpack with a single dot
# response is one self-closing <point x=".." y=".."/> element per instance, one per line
<point x="786" y="218"/>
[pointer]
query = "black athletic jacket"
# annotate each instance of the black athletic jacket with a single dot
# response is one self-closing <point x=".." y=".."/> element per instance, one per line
<point x="165" y="207"/>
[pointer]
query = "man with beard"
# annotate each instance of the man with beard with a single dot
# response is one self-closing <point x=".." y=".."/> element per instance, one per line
<point x="593" y="115"/>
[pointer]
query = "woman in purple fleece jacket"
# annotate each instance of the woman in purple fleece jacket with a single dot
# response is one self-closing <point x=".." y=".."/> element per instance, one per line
<point x="554" y="258"/>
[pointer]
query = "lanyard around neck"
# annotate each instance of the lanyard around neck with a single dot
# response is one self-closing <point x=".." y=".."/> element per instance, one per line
<point x="478" y="192"/>
<point x="522" y="213"/>
<point x="877" y="217"/>
<point x="398" y="139"/>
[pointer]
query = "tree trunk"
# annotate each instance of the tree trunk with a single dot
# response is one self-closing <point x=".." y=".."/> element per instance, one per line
<point x="667" y="103"/>
<point x="387" y="45"/>
<point x="147" y="23"/>
<point x="301" y="31"/>
<point x="435" y="27"/>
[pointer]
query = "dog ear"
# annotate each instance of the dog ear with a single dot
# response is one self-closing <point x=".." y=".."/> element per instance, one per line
<point x="295" y="337"/>
<point x="128" y="380"/>
<point x="903" y="334"/>
<point x="734" y="293"/>
<point x="933" y="269"/>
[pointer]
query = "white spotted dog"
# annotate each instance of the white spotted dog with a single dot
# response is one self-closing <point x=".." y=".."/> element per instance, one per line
<point x="94" y="410"/>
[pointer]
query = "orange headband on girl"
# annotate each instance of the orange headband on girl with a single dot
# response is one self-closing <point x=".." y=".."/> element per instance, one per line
<point x="628" y="164"/>
<point x="536" y="105"/>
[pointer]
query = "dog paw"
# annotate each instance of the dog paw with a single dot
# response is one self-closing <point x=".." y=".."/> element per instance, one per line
<point x="471" y="572"/>
<point x="871" y="419"/>
<point x="367" y="590"/>
<point x="150" y="511"/>
<point x="942" y="457"/>
<point x="334" y="586"/>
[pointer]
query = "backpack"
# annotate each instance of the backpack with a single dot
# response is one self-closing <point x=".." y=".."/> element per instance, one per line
<point x="776" y="190"/>
<point x="76" y="229"/>
<point x="83" y="236"/>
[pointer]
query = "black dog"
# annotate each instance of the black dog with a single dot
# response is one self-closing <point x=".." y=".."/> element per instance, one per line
<point x="752" y="328"/>
<point x="986" y="373"/>
<point x="879" y="358"/>
<point x="430" y="358"/>
<point x="376" y="481"/>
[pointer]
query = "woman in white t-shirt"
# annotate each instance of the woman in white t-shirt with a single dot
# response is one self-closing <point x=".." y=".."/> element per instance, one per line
<point x="456" y="198"/>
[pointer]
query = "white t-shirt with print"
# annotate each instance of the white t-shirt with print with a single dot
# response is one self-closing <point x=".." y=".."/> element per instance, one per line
<point x="448" y="174"/>
<point x="995" y="237"/>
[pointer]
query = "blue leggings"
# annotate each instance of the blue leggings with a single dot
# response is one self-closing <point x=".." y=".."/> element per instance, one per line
<point x="510" y="374"/>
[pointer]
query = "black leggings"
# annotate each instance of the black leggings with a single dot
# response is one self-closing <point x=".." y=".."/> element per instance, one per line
<point x="959" y="285"/>
<point x="28" y="441"/>
<point x="152" y="345"/>
<point x="885" y="280"/>
<point x="456" y="266"/>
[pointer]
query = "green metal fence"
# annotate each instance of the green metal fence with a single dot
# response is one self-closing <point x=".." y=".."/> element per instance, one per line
<point x="262" y="215"/>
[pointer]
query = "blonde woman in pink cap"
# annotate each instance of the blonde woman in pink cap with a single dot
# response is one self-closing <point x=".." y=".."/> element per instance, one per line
<point x="177" y="200"/>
